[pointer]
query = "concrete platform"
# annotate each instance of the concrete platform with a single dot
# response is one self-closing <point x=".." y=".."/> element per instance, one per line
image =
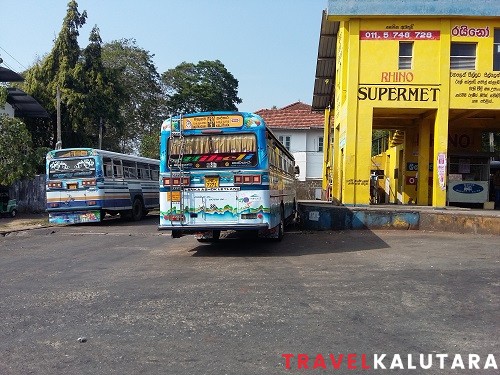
<point x="321" y="215"/>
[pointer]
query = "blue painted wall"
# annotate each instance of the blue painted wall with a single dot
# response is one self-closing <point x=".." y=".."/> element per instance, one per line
<point x="485" y="8"/>
<point x="329" y="217"/>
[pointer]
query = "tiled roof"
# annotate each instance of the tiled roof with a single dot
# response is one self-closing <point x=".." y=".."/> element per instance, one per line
<point x="297" y="115"/>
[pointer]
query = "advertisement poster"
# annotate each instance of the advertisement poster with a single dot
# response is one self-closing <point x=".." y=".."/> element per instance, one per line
<point x="441" y="170"/>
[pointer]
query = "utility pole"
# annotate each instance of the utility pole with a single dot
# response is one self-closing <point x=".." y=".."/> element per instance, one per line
<point x="59" y="140"/>
<point x="100" y="133"/>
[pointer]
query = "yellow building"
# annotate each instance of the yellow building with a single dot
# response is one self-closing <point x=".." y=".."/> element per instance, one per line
<point x="425" y="71"/>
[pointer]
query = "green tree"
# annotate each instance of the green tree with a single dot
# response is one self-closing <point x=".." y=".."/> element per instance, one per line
<point x="15" y="151"/>
<point x="90" y="92"/>
<point x="206" y="86"/>
<point x="57" y="70"/>
<point x="102" y="96"/>
<point x="150" y="146"/>
<point x="143" y="105"/>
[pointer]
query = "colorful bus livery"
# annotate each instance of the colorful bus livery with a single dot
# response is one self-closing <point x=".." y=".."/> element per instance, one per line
<point x="224" y="171"/>
<point x="83" y="184"/>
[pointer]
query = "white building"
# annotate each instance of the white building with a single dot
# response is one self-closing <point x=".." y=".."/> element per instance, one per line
<point x="301" y="132"/>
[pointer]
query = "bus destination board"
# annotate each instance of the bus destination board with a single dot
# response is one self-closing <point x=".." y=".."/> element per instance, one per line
<point x="71" y="153"/>
<point x="220" y="121"/>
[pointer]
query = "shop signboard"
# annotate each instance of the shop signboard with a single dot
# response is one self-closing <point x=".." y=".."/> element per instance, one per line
<point x="468" y="191"/>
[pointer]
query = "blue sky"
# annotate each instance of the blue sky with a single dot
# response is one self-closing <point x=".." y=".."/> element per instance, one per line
<point x="270" y="46"/>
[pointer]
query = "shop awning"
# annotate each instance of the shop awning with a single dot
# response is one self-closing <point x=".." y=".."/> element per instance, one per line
<point x="24" y="105"/>
<point x="7" y="75"/>
<point x="324" y="82"/>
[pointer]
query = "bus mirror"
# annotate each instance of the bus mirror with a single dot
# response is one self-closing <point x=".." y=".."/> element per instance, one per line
<point x="297" y="170"/>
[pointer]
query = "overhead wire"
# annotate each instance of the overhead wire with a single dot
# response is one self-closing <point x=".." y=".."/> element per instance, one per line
<point x="16" y="60"/>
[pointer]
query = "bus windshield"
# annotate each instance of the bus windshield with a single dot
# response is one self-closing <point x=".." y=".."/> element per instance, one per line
<point x="214" y="151"/>
<point x="72" y="168"/>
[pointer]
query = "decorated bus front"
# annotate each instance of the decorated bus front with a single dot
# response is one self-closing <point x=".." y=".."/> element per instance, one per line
<point x="214" y="173"/>
<point x="72" y="193"/>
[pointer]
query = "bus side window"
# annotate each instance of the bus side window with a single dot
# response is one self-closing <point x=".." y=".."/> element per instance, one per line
<point x="141" y="171"/>
<point x="117" y="169"/>
<point x="155" y="173"/>
<point x="108" y="167"/>
<point x="129" y="169"/>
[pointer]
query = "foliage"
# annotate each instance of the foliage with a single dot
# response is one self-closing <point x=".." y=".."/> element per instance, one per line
<point x="117" y="84"/>
<point x="38" y="159"/>
<point x="143" y="106"/>
<point x="103" y="96"/>
<point x="206" y="86"/>
<point x="150" y="146"/>
<point x="15" y="151"/>
<point x="88" y="89"/>
<point x="3" y="96"/>
<point x="57" y="70"/>
<point x="379" y="141"/>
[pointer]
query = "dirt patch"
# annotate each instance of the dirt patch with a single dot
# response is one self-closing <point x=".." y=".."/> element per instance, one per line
<point x="23" y="221"/>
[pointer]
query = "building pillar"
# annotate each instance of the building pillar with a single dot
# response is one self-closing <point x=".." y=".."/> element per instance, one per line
<point x="440" y="159"/>
<point x="327" y="166"/>
<point x="440" y="154"/>
<point x="363" y="155"/>
<point x="424" y="150"/>
<point x="337" y="174"/>
<point x="408" y="175"/>
<point x="349" y="124"/>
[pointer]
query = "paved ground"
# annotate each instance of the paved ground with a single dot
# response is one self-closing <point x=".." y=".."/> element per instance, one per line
<point x="146" y="303"/>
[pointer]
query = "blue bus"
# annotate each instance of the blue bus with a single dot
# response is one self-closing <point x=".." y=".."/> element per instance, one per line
<point x="85" y="184"/>
<point x="223" y="171"/>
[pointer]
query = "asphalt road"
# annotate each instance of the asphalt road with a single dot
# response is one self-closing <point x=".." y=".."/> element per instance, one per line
<point x="143" y="303"/>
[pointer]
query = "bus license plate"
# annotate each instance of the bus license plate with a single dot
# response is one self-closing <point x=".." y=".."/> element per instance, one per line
<point x="174" y="196"/>
<point x="72" y="186"/>
<point x="211" y="182"/>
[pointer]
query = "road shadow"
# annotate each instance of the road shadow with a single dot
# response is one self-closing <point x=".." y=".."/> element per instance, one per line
<point x="117" y="220"/>
<point x="296" y="243"/>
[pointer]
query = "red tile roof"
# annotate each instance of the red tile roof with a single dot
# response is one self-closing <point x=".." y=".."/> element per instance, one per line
<point x="297" y="115"/>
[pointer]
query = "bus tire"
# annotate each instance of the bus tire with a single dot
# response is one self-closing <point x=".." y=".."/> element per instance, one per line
<point x="137" y="210"/>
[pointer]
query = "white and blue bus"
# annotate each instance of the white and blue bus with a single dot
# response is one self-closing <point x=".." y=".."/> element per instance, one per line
<point x="83" y="184"/>
<point x="224" y="171"/>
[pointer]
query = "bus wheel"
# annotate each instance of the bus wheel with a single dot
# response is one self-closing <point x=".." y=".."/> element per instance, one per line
<point x="137" y="210"/>
<point x="13" y="213"/>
